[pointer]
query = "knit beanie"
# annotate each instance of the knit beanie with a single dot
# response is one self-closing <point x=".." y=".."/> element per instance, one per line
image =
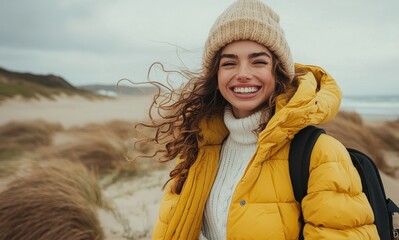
<point x="249" y="20"/>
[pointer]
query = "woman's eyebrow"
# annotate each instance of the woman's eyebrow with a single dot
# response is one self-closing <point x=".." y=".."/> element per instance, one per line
<point x="258" y="54"/>
<point x="251" y="55"/>
<point x="227" y="55"/>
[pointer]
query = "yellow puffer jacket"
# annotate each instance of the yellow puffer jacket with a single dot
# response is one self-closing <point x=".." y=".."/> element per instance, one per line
<point x="263" y="204"/>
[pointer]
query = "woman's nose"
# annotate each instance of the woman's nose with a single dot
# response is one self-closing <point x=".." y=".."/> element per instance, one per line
<point x="243" y="73"/>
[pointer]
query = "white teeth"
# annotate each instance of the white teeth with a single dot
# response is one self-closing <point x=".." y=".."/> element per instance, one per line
<point x="245" y="89"/>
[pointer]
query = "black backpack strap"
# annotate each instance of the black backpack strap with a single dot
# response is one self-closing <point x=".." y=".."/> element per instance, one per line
<point x="392" y="208"/>
<point x="299" y="161"/>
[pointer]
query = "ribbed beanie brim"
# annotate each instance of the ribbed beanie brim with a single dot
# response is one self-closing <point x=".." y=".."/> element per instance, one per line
<point x="249" y="20"/>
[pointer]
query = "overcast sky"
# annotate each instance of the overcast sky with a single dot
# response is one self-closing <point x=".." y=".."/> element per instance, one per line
<point x="99" y="41"/>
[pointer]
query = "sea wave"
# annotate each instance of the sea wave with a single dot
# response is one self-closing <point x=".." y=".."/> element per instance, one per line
<point x="373" y="107"/>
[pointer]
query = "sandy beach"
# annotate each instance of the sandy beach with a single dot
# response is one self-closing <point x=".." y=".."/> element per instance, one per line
<point x="137" y="198"/>
<point x="75" y="110"/>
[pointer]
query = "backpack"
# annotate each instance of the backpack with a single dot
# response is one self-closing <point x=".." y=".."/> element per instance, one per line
<point x="299" y="160"/>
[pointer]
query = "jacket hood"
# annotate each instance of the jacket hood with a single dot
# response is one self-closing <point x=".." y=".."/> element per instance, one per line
<point x="315" y="101"/>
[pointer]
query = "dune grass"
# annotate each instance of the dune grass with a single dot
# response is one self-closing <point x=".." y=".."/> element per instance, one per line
<point x="52" y="201"/>
<point x="101" y="149"/>
<point x="388" y="135"/>
<point x="28" y="135"/>
<point x="18" y="137"/>
<point x="348" y="128"/>
<point x="113" y="147"/>
<point x="99" y="152"/>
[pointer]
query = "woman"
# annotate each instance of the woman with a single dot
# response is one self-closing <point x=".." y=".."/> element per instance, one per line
<point x="231" y="128"/>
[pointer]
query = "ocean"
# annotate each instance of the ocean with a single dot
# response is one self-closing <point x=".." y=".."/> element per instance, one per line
<point x="373" y="107"/>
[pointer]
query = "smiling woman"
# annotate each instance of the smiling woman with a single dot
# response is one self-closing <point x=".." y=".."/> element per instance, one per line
<point x="230" y="128"/>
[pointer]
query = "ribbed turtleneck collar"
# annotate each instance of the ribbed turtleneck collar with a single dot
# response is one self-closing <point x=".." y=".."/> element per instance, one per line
<point x="242" y="129"/>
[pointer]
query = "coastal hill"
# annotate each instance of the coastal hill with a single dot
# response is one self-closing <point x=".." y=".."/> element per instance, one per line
<point x="28" y="85"/>
<point x="50" y="81"/>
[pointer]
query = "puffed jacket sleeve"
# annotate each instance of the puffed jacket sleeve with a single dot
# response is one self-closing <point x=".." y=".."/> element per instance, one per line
<point x="335" y="206"/>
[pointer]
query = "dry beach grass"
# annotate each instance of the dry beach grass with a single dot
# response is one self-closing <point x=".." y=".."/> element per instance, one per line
<point x="82" y="148"/>
<point x="48" y="203"/>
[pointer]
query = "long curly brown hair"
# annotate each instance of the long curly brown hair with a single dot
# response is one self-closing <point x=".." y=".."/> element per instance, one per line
<point x="180" y="111"/>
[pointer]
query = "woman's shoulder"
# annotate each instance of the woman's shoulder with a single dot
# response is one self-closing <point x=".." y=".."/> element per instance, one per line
<point x="327" y="150"/>
<point x="331" y="168"/>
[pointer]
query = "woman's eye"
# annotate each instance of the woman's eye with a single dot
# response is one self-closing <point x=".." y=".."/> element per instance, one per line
<point x="227" y="64"/>
<point x="260" y="62"/>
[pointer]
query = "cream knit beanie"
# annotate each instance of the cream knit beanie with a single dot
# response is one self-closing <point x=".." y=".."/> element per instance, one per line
<point x="249" y="20"/>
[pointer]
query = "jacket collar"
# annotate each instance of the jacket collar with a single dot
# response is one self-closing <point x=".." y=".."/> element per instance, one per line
<point x="315" y="101"/>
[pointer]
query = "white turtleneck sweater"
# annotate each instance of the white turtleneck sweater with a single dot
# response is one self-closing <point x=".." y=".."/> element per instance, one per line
<point x="237" y="150"/>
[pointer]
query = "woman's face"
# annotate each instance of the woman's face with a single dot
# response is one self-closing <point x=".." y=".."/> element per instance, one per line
<point x="245" y="76"/>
